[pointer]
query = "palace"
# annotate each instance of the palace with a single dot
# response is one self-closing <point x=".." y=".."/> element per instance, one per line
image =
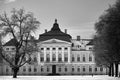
<point x="58" y="54"/>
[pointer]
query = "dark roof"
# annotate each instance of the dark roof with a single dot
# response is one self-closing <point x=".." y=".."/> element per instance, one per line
<point x="11" y="42"/>
<point x="91" y="42"/>
<point x="56" y="33"/>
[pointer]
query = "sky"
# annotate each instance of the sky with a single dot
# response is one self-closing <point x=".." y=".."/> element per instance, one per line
<point x="77" y="16"/>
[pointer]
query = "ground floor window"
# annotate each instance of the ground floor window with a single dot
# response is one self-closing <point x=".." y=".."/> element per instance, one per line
<point x="83" y="69"/>
<point x="101" y="69"/>
<point x="59" y="69"/>
<point x="65" y="69"/>
<point x="35" y="69"/>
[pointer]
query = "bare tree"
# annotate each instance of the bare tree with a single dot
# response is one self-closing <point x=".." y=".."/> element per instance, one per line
<point x="20" y="26"/>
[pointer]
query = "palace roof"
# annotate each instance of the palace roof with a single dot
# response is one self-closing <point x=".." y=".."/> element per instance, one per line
<point x="55" y="33"/>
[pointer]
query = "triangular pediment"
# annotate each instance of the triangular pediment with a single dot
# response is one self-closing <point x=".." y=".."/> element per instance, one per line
<point x="50" y="41"/>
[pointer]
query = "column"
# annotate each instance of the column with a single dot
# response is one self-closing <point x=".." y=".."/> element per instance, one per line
<point x="38" y="58"/>
<point x="44" y="54"/>
<point x="62" y="54"/>
<point x="50" y="54"/>
<point x="56" y="54"/>
<point x="69" y="54"/>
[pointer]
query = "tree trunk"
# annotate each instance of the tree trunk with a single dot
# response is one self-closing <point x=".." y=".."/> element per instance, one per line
<point x="15" y="71"/>
<point x="112" y="66"/>
<point x="116" y="69"/>
<point x="109" y="71"/>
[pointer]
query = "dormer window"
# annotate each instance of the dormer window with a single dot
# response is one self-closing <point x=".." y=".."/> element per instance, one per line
<point x="53" y="49"/>
<point x="66" y="48"/>
<point x="13" y="48"/>
<point x="42" y="48"/>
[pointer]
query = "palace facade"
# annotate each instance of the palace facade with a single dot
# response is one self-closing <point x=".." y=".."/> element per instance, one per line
<point x="58" y="54"/>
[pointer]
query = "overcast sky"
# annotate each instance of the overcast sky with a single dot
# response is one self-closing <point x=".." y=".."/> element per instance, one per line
<point x="77" y="16"/>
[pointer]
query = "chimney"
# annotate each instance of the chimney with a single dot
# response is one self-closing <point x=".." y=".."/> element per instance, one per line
<point x="78" y="38"/>
<point x="45" y="30"/>
<point x="66" y="31"/>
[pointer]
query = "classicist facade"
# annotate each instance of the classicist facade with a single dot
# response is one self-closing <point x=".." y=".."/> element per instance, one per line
<point x="58" y="54"/>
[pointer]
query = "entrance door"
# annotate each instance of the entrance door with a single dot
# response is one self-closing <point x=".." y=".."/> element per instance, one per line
<point x="53" y="69"/>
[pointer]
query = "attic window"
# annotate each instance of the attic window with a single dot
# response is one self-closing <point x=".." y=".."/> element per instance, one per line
<point x="42" y="48"/>
<point x="66" y="48"/>
<point x="53" y="48"/>
<point x="48" y="48"/>
<point x="60" y="48"/>
<point x="13" y="48"/>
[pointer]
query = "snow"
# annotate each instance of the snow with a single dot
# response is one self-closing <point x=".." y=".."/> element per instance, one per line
<point x="98" y="77"/>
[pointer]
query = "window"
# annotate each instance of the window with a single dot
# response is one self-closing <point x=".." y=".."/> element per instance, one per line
<point x="90" y="69"/>
<point x="78" y="58"/>
<point x="72" y="69"/>
<point x="53" y="57"/>
<point x="66" y="48"/>
<point x="48" y="58"/>
<point x="90" y="57"/>
<point x="66" y="57"/>
<point x="95" y="69"/>
<point x="35" y="69"/>
<point x="59" y="57"/>
<point x="73" y="59"/>
<point x="41" y="59"/>
<point x="24" y="68"/>
<point x="59" y="69"/>
<point x="60" y="48"/>
<point x="48" y="69"/>
<point x="35" y="59"/>
<point x="7" y="48"/>
<point x="42" y="69"/>
<point x="83" y="69"/>
<point x="29" y="69"/>
<point x="65" y="69"/>
<point x="78" y="69"/>
<point x="53" y="48"/>
<point x="48" y="48"/>
<point x="13" y="48"/>
<point x="42" y="48"/>
<point x="7" y="70"/>
<point x="101" y="69"/>
<point x="83" y="58"/>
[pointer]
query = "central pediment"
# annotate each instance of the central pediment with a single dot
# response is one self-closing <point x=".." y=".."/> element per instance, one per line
<point x="56" y="41"/>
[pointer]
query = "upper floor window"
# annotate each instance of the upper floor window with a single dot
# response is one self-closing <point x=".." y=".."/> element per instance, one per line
<point x="73" y="59"/>
<point x="90" y="58"/>
<point x="7" y="48"/>
<point x="48" y="58"/>
<point x="35" y="59"/>
<point x="13" y="48"/>
<point x="83" y="58"/>
<point x="78" y="58"/>
<point x="59" y="57"/>
<point x="53" y="57"/>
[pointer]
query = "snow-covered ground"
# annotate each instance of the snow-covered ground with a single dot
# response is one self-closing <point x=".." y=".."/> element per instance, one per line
<point x="59" y="78"/>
